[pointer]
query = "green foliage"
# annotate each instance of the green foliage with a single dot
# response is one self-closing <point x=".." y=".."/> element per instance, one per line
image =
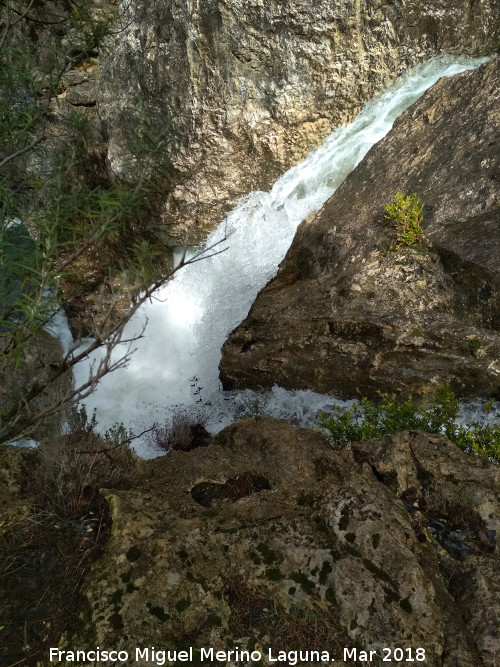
<point x="374" y="420"/>
<point x="74" y="210"/>
<point x="473" y="345"/>
<point x="144" y="253"/>
<point x="406" y="214"/>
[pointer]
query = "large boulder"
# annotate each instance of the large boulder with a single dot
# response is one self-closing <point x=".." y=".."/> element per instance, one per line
<point x="347" y="315"/>
<point x="270" y="539"/>
<point x="255" y="84"/>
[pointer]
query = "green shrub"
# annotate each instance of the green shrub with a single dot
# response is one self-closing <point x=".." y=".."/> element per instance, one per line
<point x="473" y="345"/>
<point x="374" y="420"/>
<point x="406" y="213"/>
<point x="69" y="227"/>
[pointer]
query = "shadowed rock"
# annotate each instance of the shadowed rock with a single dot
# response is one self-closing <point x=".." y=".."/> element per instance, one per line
<point x="346" y="315"/>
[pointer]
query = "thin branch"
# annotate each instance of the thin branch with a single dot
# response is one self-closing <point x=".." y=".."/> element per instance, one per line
<point x="33" y="20"/>
<point x="127" y="441"/>
<point x="22" y="151"/>
<point x="44" y="113"/>
<point x="67" y="60"/>
<point x="18" y="419"/>
<point x="22" y="422"/>
<point x="20" y="15"/>
<point x="59" y="268"/>
<point x="8" y="26"/>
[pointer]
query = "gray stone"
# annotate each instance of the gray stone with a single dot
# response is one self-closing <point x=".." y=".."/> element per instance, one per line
<point x="346" y="315"/>
<point x="196" y="559"/>
<point x="257" y="84"/>
<point x="84" y="94"/>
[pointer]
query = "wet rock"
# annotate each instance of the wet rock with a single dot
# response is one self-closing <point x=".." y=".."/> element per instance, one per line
<point x="325" y="543"/>
<point x="257" y="84"/>
<point x="345" y="314"/>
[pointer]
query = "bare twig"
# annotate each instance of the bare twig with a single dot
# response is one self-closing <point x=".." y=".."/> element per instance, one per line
<point x="123" y="443"/>
<point x="19" y="419"/>
<point x="23" y="150"/>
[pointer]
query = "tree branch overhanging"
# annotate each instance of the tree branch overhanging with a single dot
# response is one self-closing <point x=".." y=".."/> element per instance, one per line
<point x="20" y="419"/>
<point x="64" y="236"/>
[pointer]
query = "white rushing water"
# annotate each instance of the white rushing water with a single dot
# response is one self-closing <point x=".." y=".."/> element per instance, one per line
<point x="175" y="365"/>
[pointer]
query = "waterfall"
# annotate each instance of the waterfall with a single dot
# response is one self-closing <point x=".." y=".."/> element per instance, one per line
<point x="175" y="365"/>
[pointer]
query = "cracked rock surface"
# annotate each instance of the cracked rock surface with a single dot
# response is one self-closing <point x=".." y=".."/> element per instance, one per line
<point x="326" y="544"/>
<point x="256" y="84"/>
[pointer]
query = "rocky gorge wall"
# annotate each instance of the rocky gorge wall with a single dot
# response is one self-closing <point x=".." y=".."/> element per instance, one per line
<point x="268" y="532"/>
<point x="347" y="315"/>
<point x="258" y="83"/>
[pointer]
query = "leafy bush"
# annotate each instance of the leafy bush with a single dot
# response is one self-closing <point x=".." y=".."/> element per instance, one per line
<point x="374" y="420"/>
<point x="82" y="227"/>
<point x="406" y="212"/>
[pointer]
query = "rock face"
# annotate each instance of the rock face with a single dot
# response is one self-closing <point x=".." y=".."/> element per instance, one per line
<point x="346" y="315"/>
<point x="268" y="535"/>
<point x="257" y="83"/>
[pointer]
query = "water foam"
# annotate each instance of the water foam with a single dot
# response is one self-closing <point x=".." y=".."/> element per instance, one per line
<point x="175" y="364"/>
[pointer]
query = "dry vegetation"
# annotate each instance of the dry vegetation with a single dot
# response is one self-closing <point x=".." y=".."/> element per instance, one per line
<point x="59" y="530"/>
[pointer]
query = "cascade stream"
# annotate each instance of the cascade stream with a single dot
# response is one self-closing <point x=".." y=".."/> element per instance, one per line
<point x="175" y="364"/>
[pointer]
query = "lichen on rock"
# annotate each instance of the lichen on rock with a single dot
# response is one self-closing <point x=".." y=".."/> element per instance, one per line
<point x="328" y="545"/>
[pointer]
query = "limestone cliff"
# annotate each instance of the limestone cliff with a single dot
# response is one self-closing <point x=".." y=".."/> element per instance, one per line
<point x="257" y="83"/>
<point x="347" y="315"/>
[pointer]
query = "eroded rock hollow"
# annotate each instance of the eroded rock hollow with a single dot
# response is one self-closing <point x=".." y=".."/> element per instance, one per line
<point x="268" y="536"/>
